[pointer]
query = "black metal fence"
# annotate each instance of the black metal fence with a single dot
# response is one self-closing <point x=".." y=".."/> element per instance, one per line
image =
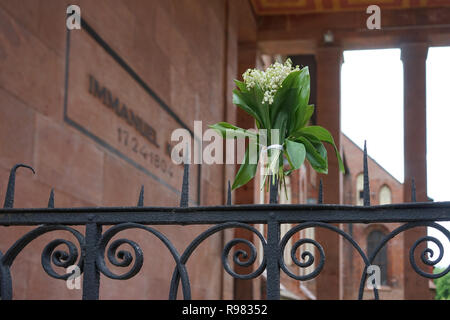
<point x="95" y="243"/>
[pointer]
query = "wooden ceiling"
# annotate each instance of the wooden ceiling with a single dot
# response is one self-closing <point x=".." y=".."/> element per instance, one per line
<point x="284" y="7"/>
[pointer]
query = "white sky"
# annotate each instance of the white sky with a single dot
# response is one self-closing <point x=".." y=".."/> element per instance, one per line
<point x="372" y="110"/>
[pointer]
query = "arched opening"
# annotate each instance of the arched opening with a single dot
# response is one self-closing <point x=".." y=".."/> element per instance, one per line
<point x="359" y="189"/>
<point x="373" y="240"/>
<point x="385" y="195"/>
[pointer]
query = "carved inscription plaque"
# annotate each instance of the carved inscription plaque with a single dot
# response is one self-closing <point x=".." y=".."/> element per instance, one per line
<point x="107" y="100"/>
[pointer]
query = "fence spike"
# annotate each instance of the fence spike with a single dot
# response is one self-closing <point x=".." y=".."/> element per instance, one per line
<point x="229" y="194"/>
<point x="274" y="190"/>
<point x="366" y="191"/>
<point x="9" y="197"/>
<point x="320" y="198"/>
<point x="141" y="197"/>
<point x="184" y="201"/>
<point x="51" y="199"/>
<point x="413" y="190"/>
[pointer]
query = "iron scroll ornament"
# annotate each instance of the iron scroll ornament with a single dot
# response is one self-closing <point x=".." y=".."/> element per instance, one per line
<point x="309" y="256"/>
<point x="124" y="258"/>
<point x="49" y="255"/>
<point x="426" y="260"/>
<point x="238" y="254"/>
<point x="310" y="259"/>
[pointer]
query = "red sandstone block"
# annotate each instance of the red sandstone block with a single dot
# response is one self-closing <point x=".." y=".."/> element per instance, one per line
<point x="23" y="61"/>
<point x="216" y="99"/>
<point x="152" y="65"/>
<point x="217" y="8"/>
<point x="122" y="184"/>
<point x="213" y="194"/>
<point x="68" y="161"/>
<point x="33" y="193"/>
<point x="66" y="200"/>
<point x="24" y="11"/>
<point x="16" y="131"/>
<point x="163" y="29"/>
<point x="113" y="21"/>
<point x="183" y="57"/>
<point x="146" y="57"/>
<point x="183" y="97"/>
<point x="187" y="15"/>
<point x="52" y="23"/>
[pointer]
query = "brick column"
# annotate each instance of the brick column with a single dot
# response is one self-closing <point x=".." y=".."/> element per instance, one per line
<point x="414" y="57"/>
<point x="328" y="111"/>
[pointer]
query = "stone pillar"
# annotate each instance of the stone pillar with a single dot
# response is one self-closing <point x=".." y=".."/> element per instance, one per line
<point x="328" y="111"/>
<point x="414" y="57"/>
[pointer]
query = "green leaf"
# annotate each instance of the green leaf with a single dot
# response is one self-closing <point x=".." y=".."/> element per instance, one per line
<point x="241" y="85"/>
<point x="323" y="135"/>
<point x="303" y="116"/>
<point x="241" y="100"/>
<point x="287" y="97"/>
<point x="286" y="100"/>
<point x="295" y="153"/>
<point x="263" y="108"/>
<point x="305" y="83"/>
<point x="292" y="99"/>
<point x="246" y="172"/>
<point x="224" y="128"/>
<point x="318" y="145"/>
<point x="251" y="101"/>
<point x="280" y="124"/>
<point x="303" y="111"/>
<point x="289" y="108"/>
<point x="317" y="158"/>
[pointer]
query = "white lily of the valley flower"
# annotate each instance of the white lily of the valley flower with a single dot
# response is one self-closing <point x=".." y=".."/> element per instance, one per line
<point x="270" y="80"/>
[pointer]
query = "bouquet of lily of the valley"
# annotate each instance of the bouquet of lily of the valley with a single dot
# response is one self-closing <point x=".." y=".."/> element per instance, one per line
<point x="278" y="101"/>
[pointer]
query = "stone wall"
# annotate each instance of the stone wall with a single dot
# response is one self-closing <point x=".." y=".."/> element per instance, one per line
<point x="182" y="51"/>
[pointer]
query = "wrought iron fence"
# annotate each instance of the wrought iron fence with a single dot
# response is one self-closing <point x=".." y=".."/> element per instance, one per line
<point x="95" y="243"/>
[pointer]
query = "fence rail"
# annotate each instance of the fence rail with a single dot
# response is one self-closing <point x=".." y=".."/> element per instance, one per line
<point x="96" y="246"/>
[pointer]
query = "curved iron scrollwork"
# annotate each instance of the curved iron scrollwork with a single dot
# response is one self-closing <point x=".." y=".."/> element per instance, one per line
<point x="49" y="255"/>
<point x="309" y="256"/>
<point x="428" y="251"/>
<point x="5" y="281"/>
<point x="425" y="255"/>
<point x="240" y="257"/>
<point x="124" y="258"/>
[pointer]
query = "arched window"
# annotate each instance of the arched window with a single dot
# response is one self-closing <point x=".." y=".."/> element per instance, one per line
<point x="359" y="189"/>
<point x="373" y="240"/>
<point x="385" y="195"/>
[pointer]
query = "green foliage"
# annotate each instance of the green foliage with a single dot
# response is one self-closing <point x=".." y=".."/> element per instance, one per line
<point x="442" y="285"/>
<point x="225" y="128"/>
<point x="245" y="173"/>
<point x="289" y="112"/>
